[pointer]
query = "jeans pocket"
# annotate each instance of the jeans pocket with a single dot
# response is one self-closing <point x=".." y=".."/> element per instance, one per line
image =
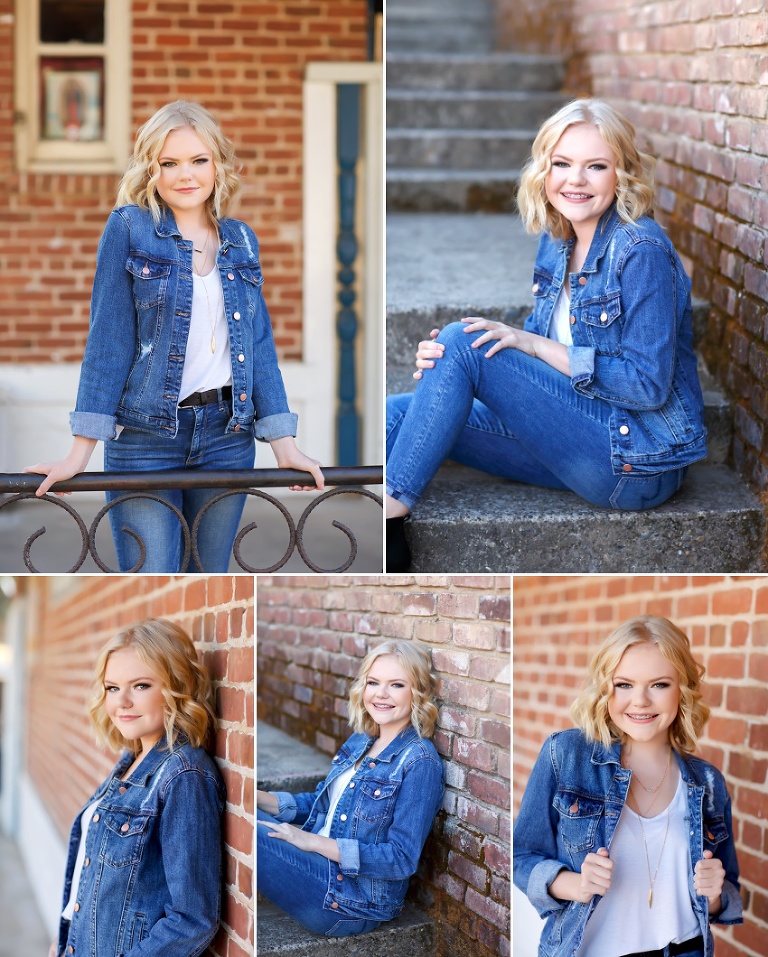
<point x="636" y="493"/>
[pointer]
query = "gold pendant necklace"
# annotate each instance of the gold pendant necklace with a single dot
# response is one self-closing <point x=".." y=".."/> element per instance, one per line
<point x="652" y="880"/>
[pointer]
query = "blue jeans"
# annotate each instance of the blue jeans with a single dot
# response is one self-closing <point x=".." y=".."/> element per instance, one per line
<point x="297" y="881"/>
<point x="201" y="444"/>
<point x="512" y="416"/>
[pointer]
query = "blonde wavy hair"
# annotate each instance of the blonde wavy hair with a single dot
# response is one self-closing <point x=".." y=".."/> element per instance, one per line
<point x="416" y="663"/>
<point x="186" y="685"/>
<point x="634" y="169"/>
<point x="138" y="185"/>
<point x="590" y="710"/>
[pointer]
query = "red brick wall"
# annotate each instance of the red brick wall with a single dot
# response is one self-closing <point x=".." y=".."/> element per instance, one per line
<point x="694" y="80"/>
<point x="245" y="61"/>
<point x="68" y="628"/>
<point x="558" y="624"/>
<point x="312" y="635"/>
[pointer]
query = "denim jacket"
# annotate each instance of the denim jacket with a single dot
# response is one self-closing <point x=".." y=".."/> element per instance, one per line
<point x="571" y="807"/>
<point x="140" y="313"/>
<point x="151" y="879"/>
<point x="380" y="824"/>
<point x="632" y="340"/>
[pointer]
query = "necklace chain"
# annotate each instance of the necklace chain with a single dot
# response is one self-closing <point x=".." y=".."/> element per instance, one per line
<point x="652" y="880"/>
<point x="201" y="277"/>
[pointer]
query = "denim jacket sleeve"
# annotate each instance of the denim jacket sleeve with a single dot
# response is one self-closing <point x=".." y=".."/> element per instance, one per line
<point x="192" y="866"/>
<point x="534" y="844"/>
<point x="295" y="808"/>
<point x="109" y="350"/>
<point x="397" y="856"/>
<point x="640" y="377"/>
<point x="725" y="851"/>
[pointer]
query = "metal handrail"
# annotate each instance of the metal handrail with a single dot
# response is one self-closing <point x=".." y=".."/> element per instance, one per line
<point x="21" y="486"/>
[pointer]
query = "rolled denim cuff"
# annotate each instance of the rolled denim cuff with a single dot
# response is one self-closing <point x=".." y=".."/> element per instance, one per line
<point x="538" y="887"/>
<point x="276" y="426"/>
<point x="93" y="425"/>
<point x="286" y="806"/>
<point x="582" y="363"/>
<point x="731" y="912"/>
<point x="349" y="856"/>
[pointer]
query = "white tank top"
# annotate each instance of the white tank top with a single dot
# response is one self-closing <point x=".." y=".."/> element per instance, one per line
<point x="85" y="823"/>
<point x="560" y="324"/>
<point x="204" y="369"/>
<point x="622" y="922"/>
<point x="337" y="788"/>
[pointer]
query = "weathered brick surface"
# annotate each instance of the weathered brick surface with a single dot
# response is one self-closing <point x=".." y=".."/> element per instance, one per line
<point x="559" y="622"/>
<point x="245" y="61"/>
<point x="312" y="635"/>
<point x="693" y="78"/>
<point x="71" y="626"/>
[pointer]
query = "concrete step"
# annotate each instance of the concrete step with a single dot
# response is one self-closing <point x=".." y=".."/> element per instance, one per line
<point x="468" y="71"/>
<point x="409" y="935"/>
<point x="452" y="191"/>
<point x="454" y="150"/>
<point x="714" y="523"/>
<point x="285" y="764"/>
<point x="448" y="26"/>
<point x="500" y="110"/>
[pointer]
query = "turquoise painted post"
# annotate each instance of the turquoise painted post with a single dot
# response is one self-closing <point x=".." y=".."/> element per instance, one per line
<point x="347" y="149"/>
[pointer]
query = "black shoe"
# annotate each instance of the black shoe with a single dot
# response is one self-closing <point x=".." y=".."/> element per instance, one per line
<point x="398" y="552"/>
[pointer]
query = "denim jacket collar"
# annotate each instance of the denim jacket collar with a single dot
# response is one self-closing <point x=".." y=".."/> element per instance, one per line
<point x="167" y="228"/>
<point x="600" y="241"/>
<point x="395" y="747"/>
<point x="151" y="763"/>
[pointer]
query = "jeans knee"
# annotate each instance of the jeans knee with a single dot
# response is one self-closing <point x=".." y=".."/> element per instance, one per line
<point x="453" y="334"/>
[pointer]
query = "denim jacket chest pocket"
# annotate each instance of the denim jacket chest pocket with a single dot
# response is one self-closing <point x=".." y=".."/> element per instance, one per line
<point x="579" y="819"/>
<point x="376" y="799"/>
<point x="714" y="832"/>
<point x="601" y="321"/>
<point x="124" y="837"/>
<point x="253" y="280"/>
<point x="543" y="295"/>
<point x="150" y="280"/>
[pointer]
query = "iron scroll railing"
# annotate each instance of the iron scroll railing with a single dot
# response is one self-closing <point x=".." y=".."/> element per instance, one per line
<point x="18" y="487"/>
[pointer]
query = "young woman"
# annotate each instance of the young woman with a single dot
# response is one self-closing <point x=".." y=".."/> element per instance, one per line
<point x="345" y="868"/>
<point x="624" y="841"/>
<point x="143" y="871"/>
<point x="599" y="393"/>
<point x="180" y="369"/>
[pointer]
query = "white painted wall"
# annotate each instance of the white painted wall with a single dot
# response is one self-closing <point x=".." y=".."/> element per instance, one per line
<point x="44" y="854"/>
<point x="526" y="925"/>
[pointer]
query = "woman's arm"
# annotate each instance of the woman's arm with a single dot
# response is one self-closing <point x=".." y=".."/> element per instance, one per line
<point x="267" y="801"/>
<point x="304" y="840"/>
<point x="290" y="456"/>
<point x="74" y="463"/>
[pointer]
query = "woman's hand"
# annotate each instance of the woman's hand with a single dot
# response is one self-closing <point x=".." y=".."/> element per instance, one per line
<point x="708" y="878"/>
<point x="507" y="337"/>
<point x="73" y="464"/>
<point x="428" y="352"/>
<point x="304" y="840"/>
<point x="53" y="949"/>
<point x="289" y="456"/>
<point x="594" y="878"/>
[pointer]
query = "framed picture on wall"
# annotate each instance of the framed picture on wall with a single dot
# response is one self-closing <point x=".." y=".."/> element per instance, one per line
<point x="72" y="95"/>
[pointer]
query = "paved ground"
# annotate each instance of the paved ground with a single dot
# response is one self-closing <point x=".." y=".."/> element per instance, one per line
<point x="23" y="934"/>
<point x="284" y="764"/>
<point x="325" y="545"/>
<point x="457" y="259"/>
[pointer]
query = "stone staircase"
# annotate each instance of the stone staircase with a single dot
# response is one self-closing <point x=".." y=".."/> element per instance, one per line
<point x="442" y="267"/>
<point x="283" y="764"/>
<point x="460" y="118"/>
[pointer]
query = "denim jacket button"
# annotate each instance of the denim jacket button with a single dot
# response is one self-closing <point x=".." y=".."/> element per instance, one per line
<point x="574" y="808"/>
<point x="603" y="317"/>
<point x="237" y="428"/>
<point x="376" y="793"/>
<point x="87" y="862"/>
<point x="243" y="396"/>
<point x="77" y="907"/>
<point x="339" y="877"/>
<point x="236" y="315"/>
<point x="624" y="429"/>
<point x="371" y="764"/>
<point x="334" y="905"/>
<point x="241" y="358"/>
<point x="122" y="790"/>
<point x="626" y="468"/>
<point x="70" y="949"/>
<point x="535" y="287"/>
<point x="573" y="320"/>
<point x="125" y="827"/>
<point x="351" y="784"/>
<point x="230" y="275"/>
<point x="582" y="280"/>
<point x="343" y="817"/>
<point x="96" y="818"/>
